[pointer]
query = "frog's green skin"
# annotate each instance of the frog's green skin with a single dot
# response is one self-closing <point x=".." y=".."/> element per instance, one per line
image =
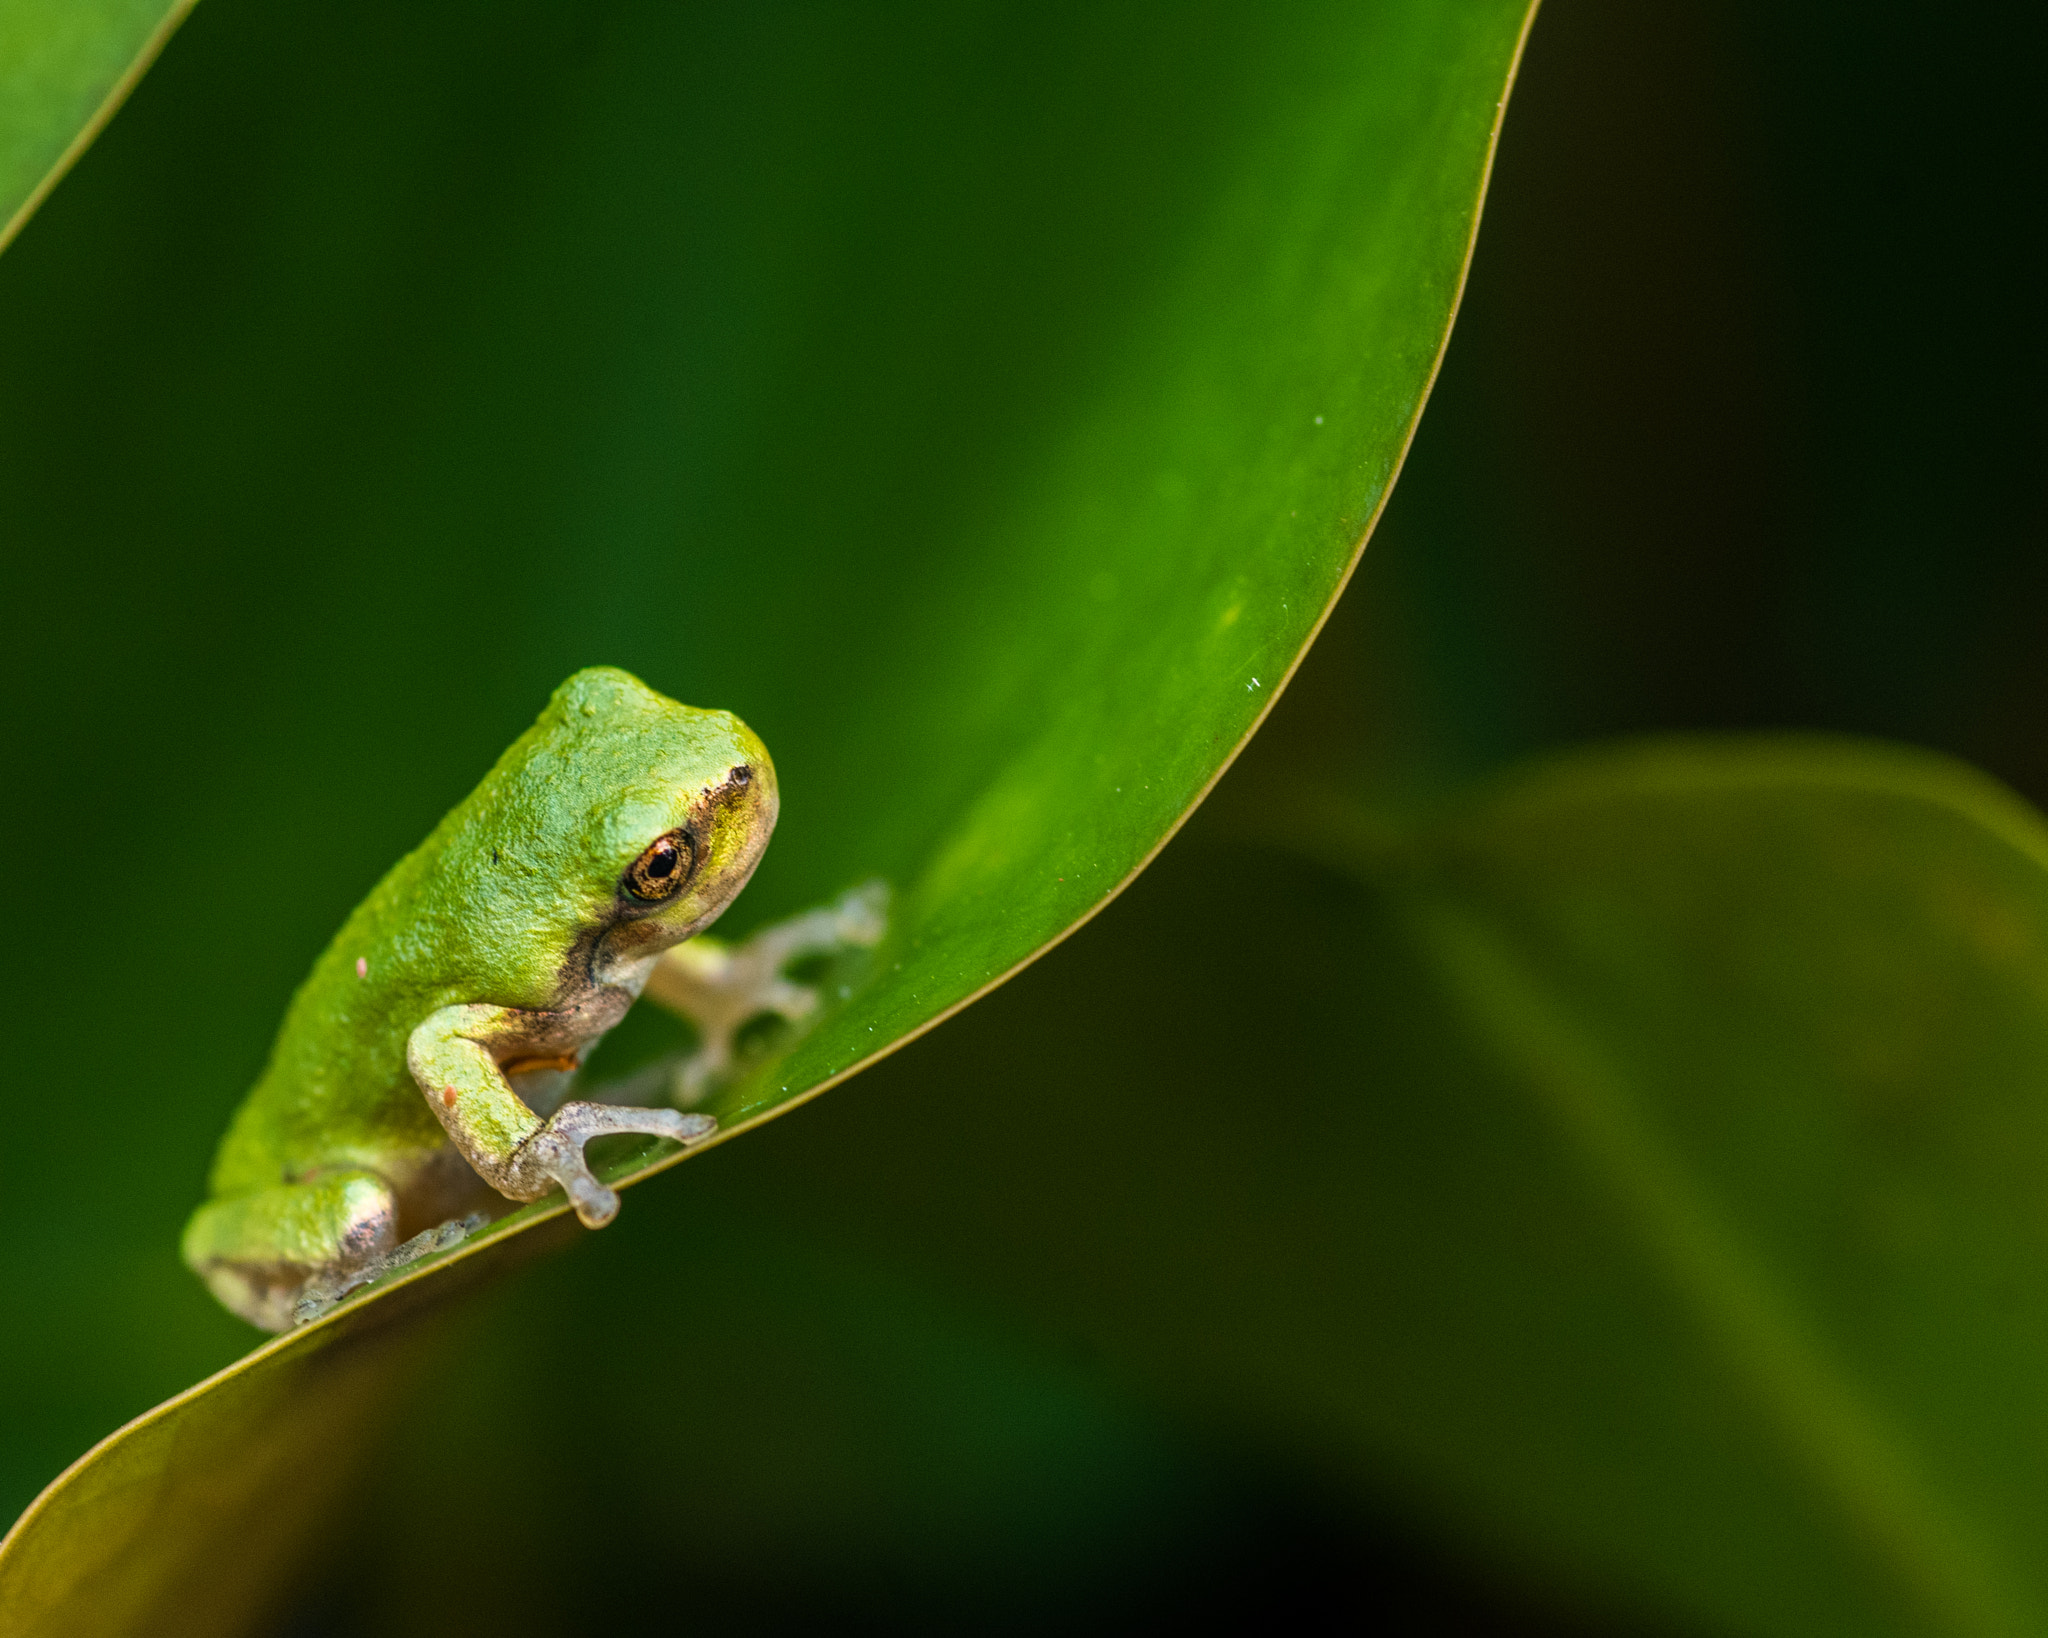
<point x="509" y="941"/>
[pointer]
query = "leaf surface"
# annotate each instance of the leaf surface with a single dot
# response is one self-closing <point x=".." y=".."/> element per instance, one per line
<point x="988" y="409"/>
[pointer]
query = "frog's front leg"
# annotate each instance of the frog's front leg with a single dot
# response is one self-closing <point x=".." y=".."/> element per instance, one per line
<point x="454" y="1058"/>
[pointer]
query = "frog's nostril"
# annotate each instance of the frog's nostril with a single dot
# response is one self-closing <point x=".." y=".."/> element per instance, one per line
<point x="741" y="776"/>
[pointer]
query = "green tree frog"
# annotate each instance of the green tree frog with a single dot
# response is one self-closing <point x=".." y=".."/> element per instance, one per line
<point x="417" y="1062"/>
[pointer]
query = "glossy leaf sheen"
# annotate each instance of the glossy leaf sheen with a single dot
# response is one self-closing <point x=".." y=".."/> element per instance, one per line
<point x="994" y="452"/>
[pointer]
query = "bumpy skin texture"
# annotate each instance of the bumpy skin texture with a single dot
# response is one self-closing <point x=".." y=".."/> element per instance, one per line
<point x="512" y="936"/>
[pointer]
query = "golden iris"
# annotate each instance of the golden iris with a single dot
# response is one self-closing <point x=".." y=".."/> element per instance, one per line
<point x="660" y="872"/>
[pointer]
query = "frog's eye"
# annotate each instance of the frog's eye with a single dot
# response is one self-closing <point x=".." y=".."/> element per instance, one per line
<point x="660" y="872"/>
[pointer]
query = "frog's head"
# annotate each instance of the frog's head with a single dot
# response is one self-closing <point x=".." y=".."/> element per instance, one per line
<point x="664" y="810"/>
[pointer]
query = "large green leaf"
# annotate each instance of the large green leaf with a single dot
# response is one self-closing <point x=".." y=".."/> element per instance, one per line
<point x="1642" y="1166"/>
<point x="65" y="68"/>
<point x="986" y="403"/>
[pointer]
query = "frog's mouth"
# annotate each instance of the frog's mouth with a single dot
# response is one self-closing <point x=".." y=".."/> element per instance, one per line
<point x="593" y="965"/>
<point x="625" y="947"/>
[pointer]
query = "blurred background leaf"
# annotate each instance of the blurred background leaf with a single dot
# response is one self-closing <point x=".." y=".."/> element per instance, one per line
<point x="1643" y="1163"/>
<point x="65" y="66"/>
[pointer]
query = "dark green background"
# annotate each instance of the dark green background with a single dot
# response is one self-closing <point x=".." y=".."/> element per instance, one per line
<point x="1738" y="429"/>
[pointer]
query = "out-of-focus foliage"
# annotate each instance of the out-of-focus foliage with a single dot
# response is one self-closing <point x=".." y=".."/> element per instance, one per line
<point x="1645" y="1158"/>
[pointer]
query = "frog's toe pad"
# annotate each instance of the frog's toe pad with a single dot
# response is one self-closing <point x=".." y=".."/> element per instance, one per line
<point x="556" y="1150"/>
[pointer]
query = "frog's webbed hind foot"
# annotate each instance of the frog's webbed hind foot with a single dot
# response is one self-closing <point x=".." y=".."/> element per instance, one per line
<point x="554" y="1154"/>
<point x="322" y="1292"/>
<point x="256" y="1251"/>
<point x="719" y="987"/>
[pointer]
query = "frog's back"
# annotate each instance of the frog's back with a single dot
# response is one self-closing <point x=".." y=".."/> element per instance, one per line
<point x="485" y="910"/>
<point x="335" y="1090"/>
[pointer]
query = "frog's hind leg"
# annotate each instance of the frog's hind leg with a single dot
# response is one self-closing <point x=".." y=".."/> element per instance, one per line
<point x="257" y="1251"/>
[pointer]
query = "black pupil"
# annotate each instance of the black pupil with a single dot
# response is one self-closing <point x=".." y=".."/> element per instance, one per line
<point x="660" y="872"/>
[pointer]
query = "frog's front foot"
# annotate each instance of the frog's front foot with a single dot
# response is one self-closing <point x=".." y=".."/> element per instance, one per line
<point x="720" y="987"/>
<point x="554" y="1155"/>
